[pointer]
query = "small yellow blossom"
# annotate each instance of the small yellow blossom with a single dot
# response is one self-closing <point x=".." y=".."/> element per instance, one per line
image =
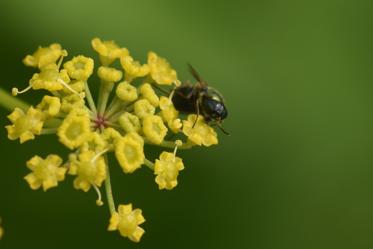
<point x="95" y="142"/>
<point x="110" y="136"/>
<point x="75" y="129"/>
<point x="148" y="93"/>
<point x="201" y="133"/>
<point x="154" y="129"/>
<point x="108" y="51"/>
<point x="143" y="108"/>
<point x="25" y="125"/>
<point x="127" y="221"/>
<point x="90" y="170"/>
<point x="45" y="56"/>
<point x="45" y="172"/>
<point x="50" y="78"/>
<point x="71" y="102"/>
<point x="126" y="92"/>
<point x="129" y="151"/>
<point x="50" y="105"/>
<point x="133" y="68"/>
<point x="109" y="74"/>
<point x="170" y="114"/>
<point x="79" y="67"/>
<point x="129" y="122"/>
<point x="75" y="85"/>
<point x="160" y="70"/>
<point x="167" y="169"/>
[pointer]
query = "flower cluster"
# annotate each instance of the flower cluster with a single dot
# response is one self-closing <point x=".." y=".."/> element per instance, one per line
<point x="129" y="113"/>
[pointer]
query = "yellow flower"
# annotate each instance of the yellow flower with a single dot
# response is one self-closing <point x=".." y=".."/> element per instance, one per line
<point x="25" y="125"/>
<point x="95" y="142"/>
<point x="126" y="92"/>
<point x="45" y="172"/>
<point x="201" y="133"/>
<point x="108" y="51"/>
<point x="143" y="108"/>
<point x="71" y="102"/>
<point x="50" y="105"/>
<point x="154" y="129"/>
<point x="167" y="169"/>
<point x="90" y="170"/>
<point x="127" y="221"/>
<point x="45" y="56"/>
<point x="79" y="67"/>
<point x="109" y="74"/>
<point x="170" y="114"/>
<point x="110" y="136"/>
<point x="129" y="151"/>
<point x="75" y="129"/>
<point x="129" y="122"/>
<point x="160" y="70"/>
<point x="148" y="93"/>
<point x="133" y="68"/>
<point x="50" y="78"/>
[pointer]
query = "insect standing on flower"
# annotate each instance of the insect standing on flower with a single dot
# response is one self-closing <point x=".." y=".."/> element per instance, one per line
<point x="201" y="100"/>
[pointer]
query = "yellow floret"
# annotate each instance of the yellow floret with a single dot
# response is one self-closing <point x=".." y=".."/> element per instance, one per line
<point x="148" y="93"/>
<point x="109" y="74"/>
<point x="129" y="122"/>
<point x="127" y="221"/>
<point x="201" y="133"/>
<point x="45" y="172"/>
<point x="75" y="129"/>
<point x="143" y="108"/>
<point x="126" y="92"/>
<point x="108" y="51"/>
<point x="160" y="70"/>
<point x="25" y="125"/>
<point x="44" y="56"/>
<point x="132" y="68"/>
<point x="79" y="67"/>
<point x="167" y="169"/>
<point x="50" y="78"/>
<point x="129" y="151"/>
<point x="50" y="105"/>
<point x="154" y="129"/>
<point x="90" y="170"/>
<point x="71" y="102"/>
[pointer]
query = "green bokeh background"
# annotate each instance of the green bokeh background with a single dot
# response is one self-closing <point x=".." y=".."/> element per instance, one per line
<point x="296" y="171"/>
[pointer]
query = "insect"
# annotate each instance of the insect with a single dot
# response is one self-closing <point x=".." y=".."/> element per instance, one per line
<point x="201" y="100"/>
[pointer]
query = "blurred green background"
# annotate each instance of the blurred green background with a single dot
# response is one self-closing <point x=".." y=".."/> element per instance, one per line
<point x="296" y="171"/>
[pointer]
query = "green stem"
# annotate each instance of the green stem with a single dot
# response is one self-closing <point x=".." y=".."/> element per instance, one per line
<point x="91" y="103"/>
<point x="105" y="90"/>
<point x="109" y="192"/>
<point x="47" y="131"/>
<point x="149" y="164"/>
<point x="9" y="102"/>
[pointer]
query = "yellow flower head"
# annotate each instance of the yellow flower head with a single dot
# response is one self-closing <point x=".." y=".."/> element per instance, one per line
<point x="170" y="114"/>
<point x="50" y="78"/>
<point x="108" y="51"/>
<point x="127" y="221"/>
<point x="79" y="67"/>
<point x="45" y="172"/>
<point x="129" y="151"/>
<point x="160" y="70"/>
<point x="45" y="56"/>
<point x="75" y="129"/>
<point x="126" y="92"/>
<point x="201" y="133"/>
<point x="143" y="108"/>
<point x="129" y="122"/>
<point x="90" y="170"/>
<point x="50" y="105"/>
<point x="71" y="102"/>
<point x="133" y="68"/>
<point x="25" y="125"/>
<point x="109" y="74"/>
<point x="148" y="93"/>
<point x="167" y="169"/>
<point x="154" y="129"/>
